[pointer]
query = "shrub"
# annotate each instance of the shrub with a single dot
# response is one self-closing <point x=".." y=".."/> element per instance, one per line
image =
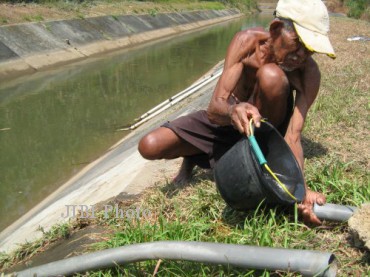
<point x="357" y="7"/>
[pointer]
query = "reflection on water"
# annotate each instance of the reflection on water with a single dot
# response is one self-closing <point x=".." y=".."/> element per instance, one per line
<point x="54" y="123"/>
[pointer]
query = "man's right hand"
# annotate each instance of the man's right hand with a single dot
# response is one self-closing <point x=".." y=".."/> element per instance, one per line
<point x="306" y="207"/>
<point x="241" y="113"/>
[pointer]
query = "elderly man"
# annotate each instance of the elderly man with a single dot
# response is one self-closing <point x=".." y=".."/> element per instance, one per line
<point x="262" y="70"/>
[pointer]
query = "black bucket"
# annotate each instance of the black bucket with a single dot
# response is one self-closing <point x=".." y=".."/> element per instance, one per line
<point x="244" y="183"/>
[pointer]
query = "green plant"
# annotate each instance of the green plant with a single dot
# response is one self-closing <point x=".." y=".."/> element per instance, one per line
<point x="29" y="249"/>
<point x="153" y="12"/>
<point x="33" y="18"/>
<point x="357" y="7"/>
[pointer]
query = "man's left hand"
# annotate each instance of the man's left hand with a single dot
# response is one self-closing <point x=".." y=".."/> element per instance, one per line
<point x="306" y="207"/>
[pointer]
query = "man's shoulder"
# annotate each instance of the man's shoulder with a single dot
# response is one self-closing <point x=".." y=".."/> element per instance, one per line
<point x="257" y="33"/>
<point x="252" y="36"/>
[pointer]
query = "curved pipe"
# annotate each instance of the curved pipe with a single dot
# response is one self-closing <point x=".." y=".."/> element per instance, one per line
<point x="305" y="262"/>
<point x="333" y="212"/>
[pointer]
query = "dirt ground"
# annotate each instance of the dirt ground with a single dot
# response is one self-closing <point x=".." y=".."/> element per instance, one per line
<point x="359" y="225"/>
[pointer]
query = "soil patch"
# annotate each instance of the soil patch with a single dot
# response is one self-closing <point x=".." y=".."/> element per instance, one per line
<point x="359" y="225"/>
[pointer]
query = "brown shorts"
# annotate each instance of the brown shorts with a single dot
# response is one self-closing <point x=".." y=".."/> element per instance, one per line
<point x="212" y="139"/>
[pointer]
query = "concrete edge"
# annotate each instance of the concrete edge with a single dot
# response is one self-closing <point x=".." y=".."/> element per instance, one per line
<point x="28" y="48"/>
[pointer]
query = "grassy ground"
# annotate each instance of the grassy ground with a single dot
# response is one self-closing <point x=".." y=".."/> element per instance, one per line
<point x="336" y="147"/>
<point x="54" y="10"/>
<point x="36" y="11"/>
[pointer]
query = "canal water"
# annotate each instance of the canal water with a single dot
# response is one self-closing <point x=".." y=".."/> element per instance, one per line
<point x="54" y="123"/>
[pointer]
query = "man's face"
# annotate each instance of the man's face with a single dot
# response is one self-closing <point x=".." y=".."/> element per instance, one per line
<point x="290" y="53"/>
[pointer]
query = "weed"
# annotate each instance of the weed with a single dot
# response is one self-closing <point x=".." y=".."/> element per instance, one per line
<point x="153" y="12"/>
<point x="80" y="15"/>
<point x="29" y="249"/>
<point x="357" y="7"/>
<point x="33" y="18"/>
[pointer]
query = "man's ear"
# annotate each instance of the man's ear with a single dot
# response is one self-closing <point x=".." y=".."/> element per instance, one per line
<point x="276" y="27"/>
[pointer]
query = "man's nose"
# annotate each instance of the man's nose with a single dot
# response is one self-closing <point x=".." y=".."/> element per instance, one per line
<point x="301" y="52"/>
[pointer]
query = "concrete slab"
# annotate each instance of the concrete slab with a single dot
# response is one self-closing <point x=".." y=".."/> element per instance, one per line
<point x="140" y="37"/>
<point x="37" y="46"/>
<point x="166" y="18"/>
<point x="74" y="32"/>
<point x="6" y="53"/>
<point x="156" y="22"/>
<point x="109" y="26"/>
<point x="26" y="39"/>
<point x="179" y="18"/>
<point x="134" y="23"/>
<point x="189" y="17"/>
<point x="198" y="16"/>
<point x="34" y="47"/>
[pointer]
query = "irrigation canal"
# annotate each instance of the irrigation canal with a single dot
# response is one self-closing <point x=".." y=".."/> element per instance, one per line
<point x="54" y="123"/>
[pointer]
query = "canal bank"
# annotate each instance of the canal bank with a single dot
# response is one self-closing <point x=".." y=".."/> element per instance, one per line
<point x="27" y="48"/>
<point x="120" y="173"/>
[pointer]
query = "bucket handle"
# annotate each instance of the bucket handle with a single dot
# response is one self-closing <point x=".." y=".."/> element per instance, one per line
<point x="262" y="160"/>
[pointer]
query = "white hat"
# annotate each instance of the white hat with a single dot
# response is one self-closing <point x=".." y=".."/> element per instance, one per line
<point x="311" y="22"/>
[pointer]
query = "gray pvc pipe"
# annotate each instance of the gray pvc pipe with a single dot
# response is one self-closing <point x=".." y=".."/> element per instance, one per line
<point x="333" y="212"/>
<point x="305" y="262"/>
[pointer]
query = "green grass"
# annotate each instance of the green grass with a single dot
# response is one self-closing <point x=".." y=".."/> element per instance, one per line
<point x="37" y="18"/>
<point x="357" y="7"/>
<point x="198" y="213"/>
<point x="29" y="249"/>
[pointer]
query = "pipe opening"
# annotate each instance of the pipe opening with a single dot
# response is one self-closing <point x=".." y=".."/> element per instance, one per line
<point x="332" y="266"/>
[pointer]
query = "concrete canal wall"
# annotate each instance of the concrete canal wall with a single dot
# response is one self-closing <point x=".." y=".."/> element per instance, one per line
<point x="26" y="48"/>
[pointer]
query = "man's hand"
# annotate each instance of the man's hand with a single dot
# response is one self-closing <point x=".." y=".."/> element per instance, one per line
<point x="241" y="113"/>
<point x="306" y="207"/>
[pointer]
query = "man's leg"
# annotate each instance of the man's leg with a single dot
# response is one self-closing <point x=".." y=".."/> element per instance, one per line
<point x="271" y="93"/>
<point x="163" y="143"/>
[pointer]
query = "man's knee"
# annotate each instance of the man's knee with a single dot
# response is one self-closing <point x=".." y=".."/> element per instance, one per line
<point x="149" y="147"/>
<point x="272" y="81"/>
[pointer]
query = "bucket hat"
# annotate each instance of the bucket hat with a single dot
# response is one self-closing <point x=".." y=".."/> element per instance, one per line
<point x="311" y="22"/>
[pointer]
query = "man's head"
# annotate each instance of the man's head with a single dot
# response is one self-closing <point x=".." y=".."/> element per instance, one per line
<point x="311" y="22"/>
<point x="287" y="48"/>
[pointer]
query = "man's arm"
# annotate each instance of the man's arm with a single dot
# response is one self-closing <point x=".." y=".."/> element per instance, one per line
<point x="220" y="111"/>
<point x="307" y="88"/>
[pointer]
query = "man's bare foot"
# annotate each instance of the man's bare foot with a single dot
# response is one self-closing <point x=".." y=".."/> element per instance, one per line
<point x="185" y="172"/>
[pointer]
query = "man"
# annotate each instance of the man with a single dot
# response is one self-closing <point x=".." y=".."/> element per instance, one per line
<point x="261" y="71"/>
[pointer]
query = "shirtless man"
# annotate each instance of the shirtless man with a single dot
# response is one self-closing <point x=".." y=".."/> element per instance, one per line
<point x="261" y="71"/>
